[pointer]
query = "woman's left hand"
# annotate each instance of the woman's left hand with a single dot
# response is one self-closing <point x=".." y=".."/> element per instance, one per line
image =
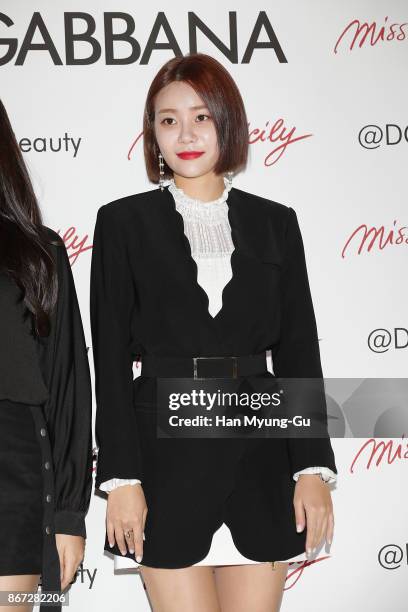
<point x="71" y="551"/>
<point x="314" y="508"/>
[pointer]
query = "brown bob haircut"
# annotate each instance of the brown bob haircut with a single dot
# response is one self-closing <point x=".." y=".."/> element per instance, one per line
<point x="218" y="90"/>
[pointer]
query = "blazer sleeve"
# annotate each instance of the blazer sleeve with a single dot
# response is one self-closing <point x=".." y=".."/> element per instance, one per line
<point x="297" y="354"/>
<point x="68" y="410"/>
<point x="112" y="301"/>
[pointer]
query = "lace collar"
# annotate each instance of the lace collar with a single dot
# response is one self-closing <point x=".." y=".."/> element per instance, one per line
<point x="198" y="209"/>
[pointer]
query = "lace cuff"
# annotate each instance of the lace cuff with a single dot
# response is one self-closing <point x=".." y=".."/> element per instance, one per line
<point x="325" y="473"/>
<point x="113" y="483"/>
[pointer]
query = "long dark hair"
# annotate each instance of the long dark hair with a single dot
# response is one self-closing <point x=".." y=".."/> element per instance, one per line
<point x="24" y="254"/>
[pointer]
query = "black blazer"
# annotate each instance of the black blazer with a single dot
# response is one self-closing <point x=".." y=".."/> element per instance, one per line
<point x="145" y="299"/>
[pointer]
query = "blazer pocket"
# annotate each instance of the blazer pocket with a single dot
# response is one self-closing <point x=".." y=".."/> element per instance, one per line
<point x="270" y="257"/>
<point x="271" y="262"/>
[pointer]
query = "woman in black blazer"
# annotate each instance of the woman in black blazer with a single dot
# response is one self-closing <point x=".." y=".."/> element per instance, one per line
<point x="146" y="301"/>
<point x="45" y="396"/>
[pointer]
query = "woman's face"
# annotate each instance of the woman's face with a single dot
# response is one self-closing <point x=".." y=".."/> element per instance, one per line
<point x="180" y="127"/>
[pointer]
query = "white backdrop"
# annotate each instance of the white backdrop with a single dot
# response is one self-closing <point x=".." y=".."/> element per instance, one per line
<point x="319" y="158"/>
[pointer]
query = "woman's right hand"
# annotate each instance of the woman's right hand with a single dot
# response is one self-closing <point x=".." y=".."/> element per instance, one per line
<point x="126" y="511"/>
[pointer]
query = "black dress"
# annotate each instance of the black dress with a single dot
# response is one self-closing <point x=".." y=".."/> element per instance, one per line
<point x="145" y="300"/>
<point x="45" y="429"/>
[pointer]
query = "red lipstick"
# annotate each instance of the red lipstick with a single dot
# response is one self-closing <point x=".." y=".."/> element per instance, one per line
<point x="190" y="154"/>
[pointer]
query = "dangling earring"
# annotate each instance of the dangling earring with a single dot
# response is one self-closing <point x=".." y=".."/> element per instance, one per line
<point x="229" y="178"/>
<point x="161" y="171"/>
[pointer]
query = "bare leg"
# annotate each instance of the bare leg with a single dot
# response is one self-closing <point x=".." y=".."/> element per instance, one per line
<point x="258" y="588"/>
<point x="181" y="590"/>
<point x="19" y="583"/>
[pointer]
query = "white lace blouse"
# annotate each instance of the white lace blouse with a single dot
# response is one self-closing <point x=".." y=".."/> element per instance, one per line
<point x="207" y="228"/>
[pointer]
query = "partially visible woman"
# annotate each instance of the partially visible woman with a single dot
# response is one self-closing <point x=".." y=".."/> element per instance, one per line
<point x="45" y="394"/>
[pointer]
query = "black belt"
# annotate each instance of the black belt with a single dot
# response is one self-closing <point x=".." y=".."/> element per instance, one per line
<point x="203" y="367"/>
